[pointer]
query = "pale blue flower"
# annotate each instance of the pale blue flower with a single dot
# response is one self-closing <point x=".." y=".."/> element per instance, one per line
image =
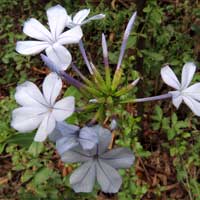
<point x="100" y="164"/>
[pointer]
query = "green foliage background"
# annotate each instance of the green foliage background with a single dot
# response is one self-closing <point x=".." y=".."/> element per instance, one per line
<point x="165" y="32"/>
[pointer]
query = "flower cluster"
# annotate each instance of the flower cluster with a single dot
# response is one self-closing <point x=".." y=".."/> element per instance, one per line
<point x="52" y="41"/>
<point x="90" y="144"/>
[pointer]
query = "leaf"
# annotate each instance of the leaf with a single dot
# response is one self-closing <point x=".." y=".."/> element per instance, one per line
<point x="27" y="176"/>
<point x="72" y="91"/>
<point x="174" y="118"/>
<point x="171" y="134"/>
<point x="23" y="140"/>
<point x="158" y="114"/>
<point x="42" y="175"/>
<point x="2" y="146"/>
<point x="165" y="123"/>
<point x="36" y="148"/>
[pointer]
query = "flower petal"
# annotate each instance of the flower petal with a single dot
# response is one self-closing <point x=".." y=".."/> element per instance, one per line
<point x="65" y="135"/>
<point x="71" y="36"/>
<point x="108" y="178"/>
<point x="30" y="47"/>
<point x="26" y="119"/>
<point x="50" y="64"/>
<point x="36" y="30"/>
<point x="63" y="130"/>
<point x="76" y="155"/>
<point x="57" y="17"/>
<point x="83" y="178"/>
<point x="46" y="127"/>
<point x="118" y="158"/>
<point x="65" y="143"/>
<point x="95" y="17"/>
<point x="177" y="98"/>
<point x="28" y="94"/>
<point x="87" y="138"/>
<point x="80" y="16"/>
<point x="59" y="55"/>
<point x="64" y="108"/>
<point x="192" y="104"/>
<point x="51" y="87"/>
<point x="104" y="138"/>
<point x="55" y="135"/>
<point x="187" y="74"/>
<point x="67" y="129"/>
<point x="69" y="22"/>
<point x="193" y="91"/>
<point x="170" y="78"/>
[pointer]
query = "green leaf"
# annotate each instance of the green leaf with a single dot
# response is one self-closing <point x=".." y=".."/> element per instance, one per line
<point x="23" y="140"/>
<point x="174" y="118"/>
<point x="27" y="176"/>
<point x="36" y="148"/>
<point x="42" y="175"/>
<point x="72" y="91"/>
<point x="158" y="113"/>
<point x="171" y="134"/>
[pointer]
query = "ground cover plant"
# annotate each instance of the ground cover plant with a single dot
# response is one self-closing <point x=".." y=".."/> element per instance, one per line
<point x="110" y="115"/>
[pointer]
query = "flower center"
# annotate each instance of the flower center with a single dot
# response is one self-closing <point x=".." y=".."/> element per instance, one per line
<point x="95" y="157"/>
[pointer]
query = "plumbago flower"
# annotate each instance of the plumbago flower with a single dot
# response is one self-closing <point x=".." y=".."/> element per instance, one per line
<point x="68" y="136"/>
<point x="51" y="41"/>
<point x="40" y="110"/>
<point x="183" y="92"/>
<point x="100" y="164"/>
<point x="79" y="18"/>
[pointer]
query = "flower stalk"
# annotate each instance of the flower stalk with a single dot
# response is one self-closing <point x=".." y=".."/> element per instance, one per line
<point x="155" y="98"/>
<point x="82" y="49"/>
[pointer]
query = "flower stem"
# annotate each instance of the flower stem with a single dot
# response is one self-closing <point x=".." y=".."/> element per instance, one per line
<point x="81" y="47"/>
<point x="71" y="80"/>
<point x="155" y="98"/>
<point x="75" y="69"/>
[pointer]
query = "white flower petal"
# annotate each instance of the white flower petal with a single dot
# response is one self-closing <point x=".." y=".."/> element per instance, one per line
<point x="60" y="56"/>
<point x="193" y="91"/>
<point x="177" y="98"/>
<point x="30" y="47"/>
<point x="46" y="127"/>
<point x="28" y="94"/>
<point x="80" y="16"/>
<point x="57" y="17"/>
<point x="51" y="87"/>
<point x="170" y="78"/>
<point x="95" y="17"/>
<point x="71" y="36"/>
<point x="187" y="74"/>
<point x="69" y="22"/>
<point x="69" y="19"/>
<point x="36" y="30"/>
<point x="177" y="101"/>
<point x="64" y="108"/>
<point x="26" y="119"/>
<point x="192" y="104"/>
